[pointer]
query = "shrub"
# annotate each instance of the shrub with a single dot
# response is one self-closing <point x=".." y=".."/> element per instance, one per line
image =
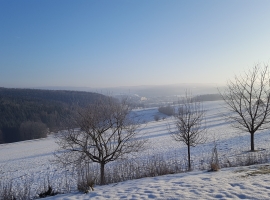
<point x="48" y="192"/>
<point x="19" y="190"/>
<point x="157" y="118"/>
<point x="7" y="191"/>
<point x="86" y="179"/>
<point x="246" y="159"/>
<point x="214" y="165"/>
<point x="167" y="110"/>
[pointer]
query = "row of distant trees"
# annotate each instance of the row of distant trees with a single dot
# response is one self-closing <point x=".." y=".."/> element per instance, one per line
<point x="33" y="130"/>
<point x="27" y="131"/>
<point x="18" y="115"/>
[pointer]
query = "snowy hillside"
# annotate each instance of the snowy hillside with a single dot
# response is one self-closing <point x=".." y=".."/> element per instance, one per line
<point x="30" y="160"/>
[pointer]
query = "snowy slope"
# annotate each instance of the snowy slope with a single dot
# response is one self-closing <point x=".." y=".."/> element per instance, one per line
<point x="230" y="183"/>
<point x="31" y="159"/>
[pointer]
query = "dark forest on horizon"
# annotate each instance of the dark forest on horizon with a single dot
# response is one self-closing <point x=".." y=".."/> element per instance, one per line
<point x="30" y="113"/>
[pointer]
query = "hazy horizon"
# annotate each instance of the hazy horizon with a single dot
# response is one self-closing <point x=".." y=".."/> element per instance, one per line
<point x="109" y="44"/>
<point x="148" y="91"/>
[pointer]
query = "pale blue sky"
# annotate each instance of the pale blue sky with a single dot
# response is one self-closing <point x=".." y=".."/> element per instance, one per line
<point x="130" y="42"/>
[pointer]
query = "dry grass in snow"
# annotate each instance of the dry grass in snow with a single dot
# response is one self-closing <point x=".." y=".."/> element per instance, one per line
<point x="250" y="182"/>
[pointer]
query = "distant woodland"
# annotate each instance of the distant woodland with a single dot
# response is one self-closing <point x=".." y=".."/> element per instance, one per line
<point x="30" y="114"/>
<point x="208" y="97"/>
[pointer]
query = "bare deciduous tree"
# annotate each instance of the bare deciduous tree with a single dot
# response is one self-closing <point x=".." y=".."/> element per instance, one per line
<point x="189" y="124"/>
<point x="106" y="133"/>
<point x="248" y="100"/>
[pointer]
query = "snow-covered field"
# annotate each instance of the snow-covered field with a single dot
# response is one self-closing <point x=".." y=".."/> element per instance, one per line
<point x="230" y="183"/>
<point x="31" y="159"/>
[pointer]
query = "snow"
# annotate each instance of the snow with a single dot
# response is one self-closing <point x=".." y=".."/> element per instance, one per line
<point x="229" y="183"/>
<point x="31" y="159"/>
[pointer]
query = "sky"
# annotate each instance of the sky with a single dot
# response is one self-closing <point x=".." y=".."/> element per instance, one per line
<point x="130" y="42"/>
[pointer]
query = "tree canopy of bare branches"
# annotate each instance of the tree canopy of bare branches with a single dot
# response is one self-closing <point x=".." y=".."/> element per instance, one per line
<point x="105" y="132"/>
<point x="189" y="124"/>
<point x="248" y="101"/>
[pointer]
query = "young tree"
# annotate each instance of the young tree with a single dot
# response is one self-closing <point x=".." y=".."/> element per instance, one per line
<point x="107" y="132"/>
<point x="189" y="124"/>
<point x="248" y="101"/>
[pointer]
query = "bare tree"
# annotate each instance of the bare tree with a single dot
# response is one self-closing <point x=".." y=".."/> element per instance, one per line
<point x="248" y="101"/>
<point x="107" y="132"/>
<point x="189" y="124"/>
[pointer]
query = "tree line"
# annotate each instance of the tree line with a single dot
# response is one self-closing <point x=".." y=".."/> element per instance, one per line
<point x="31" y="114"/>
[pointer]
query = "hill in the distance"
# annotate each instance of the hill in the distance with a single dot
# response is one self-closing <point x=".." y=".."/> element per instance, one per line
<point x="30" y="113"/>
<point x="150" y="91"/>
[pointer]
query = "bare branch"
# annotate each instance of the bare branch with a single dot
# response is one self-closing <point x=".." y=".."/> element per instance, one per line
<point x="189" y="123"/>
<point x="105" y="132"/>
<point x="247" y="99"/>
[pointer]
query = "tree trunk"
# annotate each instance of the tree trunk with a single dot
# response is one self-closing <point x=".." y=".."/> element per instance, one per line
<point x="252" y="141"/>
<point x="102" y="177"/>
<point x="189" y="162"/>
